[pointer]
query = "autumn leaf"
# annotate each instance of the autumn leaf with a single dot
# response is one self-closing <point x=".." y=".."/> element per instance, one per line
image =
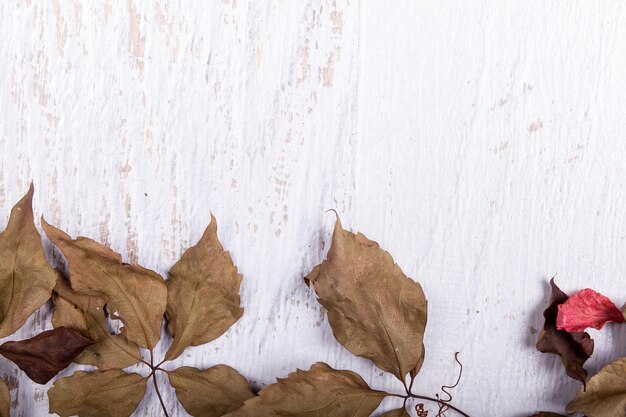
<point x="319" y="392"/>
<point x="137" y="294"/>
<point x="48" y="353"/>
<point x="573" y="348"/>
<point x="202" y="294"/>
<point x="374" y="309"/>
<point x="111" y="393"/>
<point x="400" y="412"/>
<point x="26" y="278"/>
<point x="416" y="370"/>
<point x="202" y="297"/>
<point x="5" y="400"/>
<point x="587" y="308"/>
<point x="605" y="395"/>
<point x="87" y="314"/>
<point x="212" y="393"/>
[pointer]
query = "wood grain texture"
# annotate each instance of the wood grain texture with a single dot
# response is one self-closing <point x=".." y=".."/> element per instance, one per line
<point x="479" y="142"/>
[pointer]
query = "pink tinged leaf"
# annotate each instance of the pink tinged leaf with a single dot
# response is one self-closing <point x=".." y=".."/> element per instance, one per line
<point x="588" y="308"/>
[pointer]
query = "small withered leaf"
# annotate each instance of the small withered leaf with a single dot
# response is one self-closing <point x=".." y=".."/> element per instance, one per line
<point x="202" y="294"/>
<point x="400" y="412"/>
<point x="605" y="395"/>
<point x="573" y="348"/>
<point x="86" y="314"/>
<point x="111" y="393"/>
<point x="211" y="393"/>
<point x="48" y="353"/>
<point x="26" y="278"/>
<point x="138" y="295"/>
<point x="319" y="392"/>
<point x="5" y="400"/>
<point x="374" y="309"/>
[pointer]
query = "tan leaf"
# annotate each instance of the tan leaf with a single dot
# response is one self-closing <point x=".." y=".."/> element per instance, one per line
<point x="400" y="412"/>
<point x="420" y="363"/>
<point x="5" y="400"/>
<point x="137" y="294"/>
<point x="319" y="392"/>
<point x="26" y="278"/>
<point x="374" y="310"/>
<point x="212" y="393"/>
<point x="45" y="355"/>
<point x="97" y="394"/>
<point x="86" y="314"/>
<point x="606" y="393"/>
<point x="202" y="294"/>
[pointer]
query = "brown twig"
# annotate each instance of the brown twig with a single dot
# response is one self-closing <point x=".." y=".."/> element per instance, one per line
<point x="154" y="380"/>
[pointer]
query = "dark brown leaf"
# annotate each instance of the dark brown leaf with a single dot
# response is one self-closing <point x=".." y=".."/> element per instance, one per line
<point x="5" y="400"/>
<point x="26" y="278"/>
<point x="48" y="353"/>
<point x="137" y="294"/>
<point x="320" y="392"/>
<point x="202" y="294"/>
<point x="573" y="348"/>
<point x="212" y="393"/>
<point x="97" y="394"/>
<point x="605" y="395"/>
<point x="87" y="314"/>
<point x="374" y="310"/>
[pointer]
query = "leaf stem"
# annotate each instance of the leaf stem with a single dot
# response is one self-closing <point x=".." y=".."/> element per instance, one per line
<point x="154" y="380"/>
<point x="411" y="384"/>
<point x="423" y="397"/>
<point x="435" y="400"/>
<point x="156" y="389"/>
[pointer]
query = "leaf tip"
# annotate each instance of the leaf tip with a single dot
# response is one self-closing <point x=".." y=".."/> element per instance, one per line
<point x="337" y="220"/>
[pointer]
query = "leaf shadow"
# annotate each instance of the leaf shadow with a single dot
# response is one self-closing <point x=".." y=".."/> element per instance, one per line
<point x="536" y="316"/>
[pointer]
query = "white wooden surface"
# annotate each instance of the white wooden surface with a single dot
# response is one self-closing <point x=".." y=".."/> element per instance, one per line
<point x="481" y="142"/>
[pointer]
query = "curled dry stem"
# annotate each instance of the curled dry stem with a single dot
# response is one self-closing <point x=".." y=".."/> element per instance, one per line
<point x="444" y="405"/>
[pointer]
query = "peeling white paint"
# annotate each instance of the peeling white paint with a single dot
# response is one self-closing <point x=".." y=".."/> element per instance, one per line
<point x="481" y="143"/>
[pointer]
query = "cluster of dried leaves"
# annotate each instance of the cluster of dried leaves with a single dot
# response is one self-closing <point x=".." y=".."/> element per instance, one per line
<point x="374" y="310"/>
<point x="563" y="334"/>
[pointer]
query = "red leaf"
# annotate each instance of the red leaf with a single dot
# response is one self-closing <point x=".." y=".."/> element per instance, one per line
<point x="588" y="308"/>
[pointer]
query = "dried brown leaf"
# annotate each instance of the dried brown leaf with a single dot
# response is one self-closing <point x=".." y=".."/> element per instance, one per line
<point x="319" y="392"/>
<point x="605" y="395"/>
<point x="26" y="278"/>
<point x="5" y="400"/>
<point x="420" y="363"/>
<point x="400" y="412"/>
<point x="87" y="314"/>
<point x="202" y="294"/>
<point x="374" y="309"/>
<point x="573" y="348"/>
<point x="111" y="393"/>
<point x="212" y="393"/>
<point x="137" y="294"/>
<point x="45" y="355"/>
